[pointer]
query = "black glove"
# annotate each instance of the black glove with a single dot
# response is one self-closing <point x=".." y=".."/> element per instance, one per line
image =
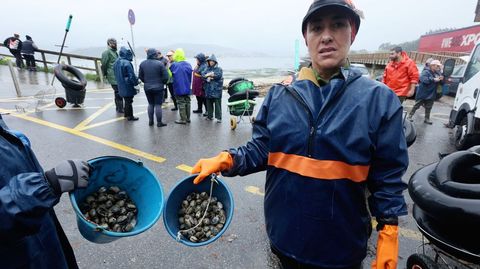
<point x="68" y="175"/>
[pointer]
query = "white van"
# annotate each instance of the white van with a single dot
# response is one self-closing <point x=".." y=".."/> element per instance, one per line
<point x="465" y="116"/>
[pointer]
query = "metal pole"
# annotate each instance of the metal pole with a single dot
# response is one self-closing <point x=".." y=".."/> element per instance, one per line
<point x="63" y="42"/>
<point x="297" y="55"/>
<point x="133" y="50"/>
<point x="14" y="78"/>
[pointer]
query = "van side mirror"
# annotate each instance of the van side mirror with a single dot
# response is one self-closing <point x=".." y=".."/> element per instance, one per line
<point x="448" y="67"/>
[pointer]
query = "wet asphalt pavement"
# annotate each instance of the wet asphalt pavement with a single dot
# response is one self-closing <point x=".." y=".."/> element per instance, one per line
<point x="96" y="130"/>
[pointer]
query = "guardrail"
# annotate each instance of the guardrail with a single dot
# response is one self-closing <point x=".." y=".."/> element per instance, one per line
<point x="381" y="58"/>
<point x="69" y="57"/>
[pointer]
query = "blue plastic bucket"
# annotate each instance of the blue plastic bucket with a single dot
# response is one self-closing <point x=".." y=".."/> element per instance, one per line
<point x="178" y="194"/>
<point x="131" y="176"/>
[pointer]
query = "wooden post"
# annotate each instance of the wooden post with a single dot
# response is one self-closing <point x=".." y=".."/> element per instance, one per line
<point x="44" y="62"/>
<point x="14" y="78"/>
<point x="99" y="72"/>
<point x="69" y="61"/>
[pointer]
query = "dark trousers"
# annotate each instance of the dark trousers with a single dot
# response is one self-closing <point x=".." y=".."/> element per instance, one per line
<point x="128" y="107"/>
<point x="165" y="94"/>
<point x="402" y="99"/>
<point x="427" y="104"/>
<point x="18" y="58"/>
<point x="172" y="93"/>
<point x="217" y="103"/>
<point x="30" y="61"/>
<point x="201" y="101"/>
<point x="118" y="99"/>
<point x="289" y="263"/>
<point x="184" y="107"/>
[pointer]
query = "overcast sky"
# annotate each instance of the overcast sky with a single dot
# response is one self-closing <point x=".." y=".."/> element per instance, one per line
<point x="269" y="26"/>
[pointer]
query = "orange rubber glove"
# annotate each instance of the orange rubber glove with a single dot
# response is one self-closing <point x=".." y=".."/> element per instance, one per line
<point x="387" y="248"/>
<point x="206" y="167"/>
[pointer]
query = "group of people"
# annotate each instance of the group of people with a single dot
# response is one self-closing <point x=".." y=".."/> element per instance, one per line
<point x="159" y="74"/>
<point x="323" y="140"/>
<point x="402" y="76"/>
<point x="24" y="48"/>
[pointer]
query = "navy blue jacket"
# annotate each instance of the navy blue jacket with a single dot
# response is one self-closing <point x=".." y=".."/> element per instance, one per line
<point x="427" y="89"/>
<point x="213" y="86"/>
<point x="322" y="147"/>
<point x="124" y="73"/>
<point x="29" y="47"/>
<point x="30" y="234"/>
<point x="153" y="72"/>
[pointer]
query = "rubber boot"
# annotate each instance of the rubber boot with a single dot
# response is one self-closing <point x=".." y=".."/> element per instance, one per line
<point x="427" y="117"/>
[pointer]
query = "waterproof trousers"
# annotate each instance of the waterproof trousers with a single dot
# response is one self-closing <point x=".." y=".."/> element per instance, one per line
<point x="214" y="103"/>
<point x="183" y="102"/>
<point x="427" y="104"/>
<point x="128" y="107"/>
<point x="118" y="99"/>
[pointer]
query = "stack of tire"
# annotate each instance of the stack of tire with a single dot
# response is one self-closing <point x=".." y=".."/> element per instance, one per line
<point x="241" y="89"/>
<point x="75" y="89"/>
<point x="447" y="204"/>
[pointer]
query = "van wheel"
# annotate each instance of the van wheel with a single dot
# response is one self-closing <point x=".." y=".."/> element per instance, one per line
<point x="462" y="139"/>
<point x="420" y="261"/>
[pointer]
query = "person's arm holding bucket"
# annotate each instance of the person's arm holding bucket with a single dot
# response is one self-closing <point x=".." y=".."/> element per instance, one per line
<point x="244" y="160"/>
<point x="26" y="198"/>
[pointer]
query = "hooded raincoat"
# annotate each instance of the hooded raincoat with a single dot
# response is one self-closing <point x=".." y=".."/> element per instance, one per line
<point x="182" y="73"/>
<point x="214" y="86"/>
<point x="30" y="234"/>
<point x="153" y="72"/>
<point x="124" y="73"/>
<point x="427" y="90"/>
<point x="197" y="80"/>
<point x="322" y="146"/>
<point x="400" y="75"/>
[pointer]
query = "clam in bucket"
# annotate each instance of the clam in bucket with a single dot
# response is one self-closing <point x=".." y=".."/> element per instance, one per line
<point x="186" y="187"/>
<point x="136" y="180"/>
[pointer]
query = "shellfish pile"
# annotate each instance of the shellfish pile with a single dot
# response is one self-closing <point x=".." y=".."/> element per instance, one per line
<point x="190" y="215"/>
<point x="111" y="209"/>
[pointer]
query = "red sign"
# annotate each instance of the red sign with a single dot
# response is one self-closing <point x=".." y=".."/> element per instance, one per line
<point x="460" y="40"/>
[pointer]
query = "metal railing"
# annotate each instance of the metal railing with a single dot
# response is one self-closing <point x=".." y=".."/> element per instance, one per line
<point x="381" y="58"/>
<point x="45" y="62"/>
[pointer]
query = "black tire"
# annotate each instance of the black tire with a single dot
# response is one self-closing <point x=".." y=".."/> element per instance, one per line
<point x="420" y="261"/>
<point x="67" y="82"/>
<point x="235" y="80"/>
<point x="457" y="175"/>
<point x="439" y="205"/>
<point x="243" y="96"/>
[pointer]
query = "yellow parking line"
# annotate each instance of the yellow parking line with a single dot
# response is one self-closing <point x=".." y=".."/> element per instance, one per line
<point x="107" y="122"/>
<point x="84" y="123"/>
<point x="185" y="168"/>
<point x="91" y="137"/>
<point x="254" y="190"/>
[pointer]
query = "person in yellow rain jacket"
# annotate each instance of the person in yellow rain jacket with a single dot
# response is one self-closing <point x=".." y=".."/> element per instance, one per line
<point x="324" y="140"/>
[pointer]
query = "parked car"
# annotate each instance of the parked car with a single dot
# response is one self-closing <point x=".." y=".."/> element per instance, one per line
<point x="452" y="81"/>
<point x="362" y="69"/>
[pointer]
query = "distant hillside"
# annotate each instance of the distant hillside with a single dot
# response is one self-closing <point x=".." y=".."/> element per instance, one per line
<point x="190" y="50"/>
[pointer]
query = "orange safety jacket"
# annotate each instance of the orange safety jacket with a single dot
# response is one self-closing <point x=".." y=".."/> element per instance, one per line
<point x="398" y="76"/>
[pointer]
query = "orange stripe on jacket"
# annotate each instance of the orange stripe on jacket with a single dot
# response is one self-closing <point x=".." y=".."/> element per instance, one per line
<point x="320" y="169"/>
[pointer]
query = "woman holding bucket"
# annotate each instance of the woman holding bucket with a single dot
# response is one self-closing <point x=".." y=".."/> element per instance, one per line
<point x="323" y="140"/>
<point x="30" y="234"/>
